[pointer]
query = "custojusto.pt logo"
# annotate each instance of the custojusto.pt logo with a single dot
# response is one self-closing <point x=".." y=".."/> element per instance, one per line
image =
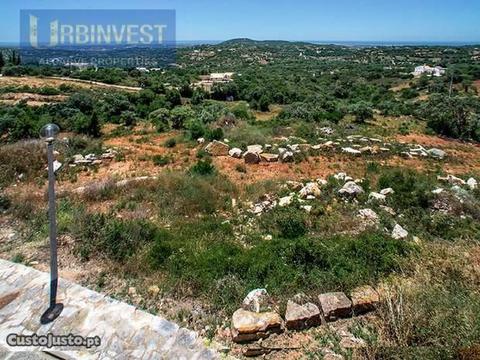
<point x="76" y="28"/>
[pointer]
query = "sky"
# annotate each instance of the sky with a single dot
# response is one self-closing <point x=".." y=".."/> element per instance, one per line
<point x="307" y="20"/>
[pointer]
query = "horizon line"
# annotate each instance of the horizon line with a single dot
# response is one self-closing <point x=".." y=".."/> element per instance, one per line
<point x="324" y="42"/>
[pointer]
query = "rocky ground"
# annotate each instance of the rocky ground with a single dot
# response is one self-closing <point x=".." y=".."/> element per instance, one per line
<point x="306" y="327"/>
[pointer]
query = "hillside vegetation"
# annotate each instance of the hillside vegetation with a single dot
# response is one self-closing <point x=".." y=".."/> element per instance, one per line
<point x="314" y="169"/>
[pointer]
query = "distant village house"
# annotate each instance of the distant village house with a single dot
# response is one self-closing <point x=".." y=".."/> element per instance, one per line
<point x="425" y="69"/>
<point x="207" y="81"/>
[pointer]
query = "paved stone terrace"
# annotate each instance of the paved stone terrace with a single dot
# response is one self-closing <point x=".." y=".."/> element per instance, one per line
<point x="125" y="332"/>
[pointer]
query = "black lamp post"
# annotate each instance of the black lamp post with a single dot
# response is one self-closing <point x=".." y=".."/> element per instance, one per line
<point x="49" y="133"/>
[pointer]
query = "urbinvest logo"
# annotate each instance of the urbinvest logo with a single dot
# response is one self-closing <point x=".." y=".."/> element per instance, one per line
<point x="96" y="29"/>
<point x="50" y="28"/>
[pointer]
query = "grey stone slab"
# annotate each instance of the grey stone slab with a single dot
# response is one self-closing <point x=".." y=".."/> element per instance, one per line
<point x="125" y="331"/>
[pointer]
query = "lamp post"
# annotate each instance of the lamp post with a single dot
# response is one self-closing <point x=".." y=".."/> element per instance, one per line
<point x="49" y="133"/>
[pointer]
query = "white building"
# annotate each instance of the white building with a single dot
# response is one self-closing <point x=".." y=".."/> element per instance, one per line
<point x="425" y="69"/>
<point x="221" y="77"/>
<point x="207" y="81"/>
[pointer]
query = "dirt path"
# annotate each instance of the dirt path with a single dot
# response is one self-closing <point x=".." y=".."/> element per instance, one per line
<point x="97" y="83"/>
<point x="54" y="81"/>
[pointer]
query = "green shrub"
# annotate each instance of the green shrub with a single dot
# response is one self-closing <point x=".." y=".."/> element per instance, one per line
<point x="48" y="90"/>
<point x="161" y="249"/>
<point x="87" y="124"/>
<point x="288" y="223"/>
<point x="241" y="168"/>
<point x="161" y="160"/>
<point x="203" y="167"/>
<point x="215" y="134"/>
<point x="196" y="129"/>
<point x="18" y="258"/>
<point x="4" y="202"/>
<point x="171" y="143"/>
<point x="203" y="255"/>
<point x="114" y="238"/>
<point x="412" y="189"/>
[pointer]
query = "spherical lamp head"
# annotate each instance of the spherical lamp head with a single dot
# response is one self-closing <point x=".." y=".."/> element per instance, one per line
<point x="49" y="132"/>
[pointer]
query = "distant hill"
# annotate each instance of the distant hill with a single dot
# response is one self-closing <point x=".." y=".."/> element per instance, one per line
<point x="251" y="42"/>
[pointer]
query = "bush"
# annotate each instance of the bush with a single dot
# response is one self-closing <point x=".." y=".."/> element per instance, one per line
<point x="215" y="134"/>
<point x="288" y="223"/>
<point x="4" y="202"/>
<point x="87" y="124"/>
<point x="25" y="157"/>
<point x="412" y="189"/>
<point x="161" y="160"/>
<point x="362" y="111"/>
<point x="455" y="117"/>
<point x="284" y="266"/>
<point x="196" y="129"/>
<point x="171" y="143"/>
<point x="114" y="238"/>
<point x="203" y="167"/>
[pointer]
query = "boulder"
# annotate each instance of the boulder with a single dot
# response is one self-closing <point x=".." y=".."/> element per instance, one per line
<point x="335" y="305"/>
<point x="305" y="148"/>
<point x="269" y="157"/>
<point x="256" y="300"/>
<point x="285" y="201"/>
<point x="437" y="153"/>
<point x="153" y="290"/>
<point x="78" y="158"/>
<point x="387" y="191"/>
<point x="251" y="157"/>
<point x="201" y="140"/>
<point x="294" y="185"/>
<point x="251" y="326"/>
<point x="307" y="208"/>
<point x="90" y="157"/>
<point x="472" y="183"/>
<point x="352" y="342"/>
<point x="56" y="165"/>
<point x="298" y="316"/>
<point x="351" y="189"/>
<point x="310" y="188"/>
<point x="255" y="149"/>
<point x="452" y="180"/>
<point x="369" y="216"/>
<point x="286" y="156"/>
<point x="352" y="151"/>
<point x="364" y="299"/>
<point x="217" y="148"/>
<point x="368" y="149"/>
<point x="340" y="176"/>
<point x="326" y="130"/>
<point x="420" y="151"/>
<point x="109" y="154"/>
<point x="330" y="355"/>
<point x="399" y="233"/>
<point x="377" y="197"/>
<point x="235" y="153"/>
<point x="388" y="210"/>
<point x="322" y="182"/>
<point x="460" y="193"/>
